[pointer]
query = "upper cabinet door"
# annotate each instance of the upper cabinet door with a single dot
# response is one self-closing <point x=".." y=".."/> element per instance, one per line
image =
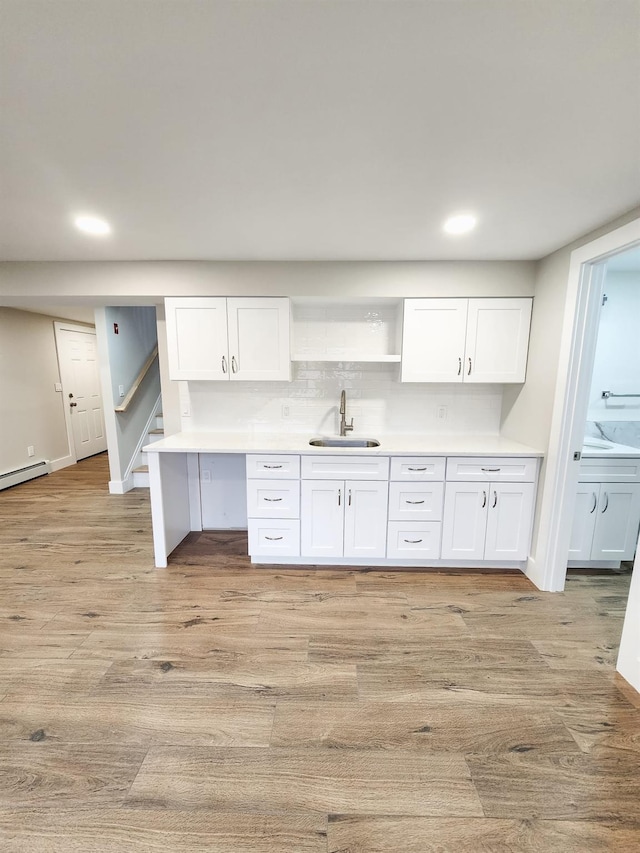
<point x="497" y="340"/>
<point x="197" y="338"/>
<point x="259" y="338"/>
<point x="433" y="340"/>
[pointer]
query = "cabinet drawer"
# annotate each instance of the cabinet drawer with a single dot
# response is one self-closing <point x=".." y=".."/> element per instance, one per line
<point x="271" y="537"/>
<point x="414" y="468"/>
<point x="345" y="467"/>
<point x="416" y="501"/>
<point x="623" y="470"/>
<point x="273" y="500"/>
<point x="483" y="469"/>
<point x="417" y="539"/>
<point x="273" y="467"/>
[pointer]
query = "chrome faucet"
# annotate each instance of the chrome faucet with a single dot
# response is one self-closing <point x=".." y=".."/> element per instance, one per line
<point x="344" y="426"/>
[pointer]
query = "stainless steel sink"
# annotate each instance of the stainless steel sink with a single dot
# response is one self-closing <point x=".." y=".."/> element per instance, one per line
<point x="344" y="442"/>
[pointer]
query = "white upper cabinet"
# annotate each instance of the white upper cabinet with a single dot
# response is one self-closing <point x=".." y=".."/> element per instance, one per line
<point x="237" y="339"/>
<point x="465" y="340"/>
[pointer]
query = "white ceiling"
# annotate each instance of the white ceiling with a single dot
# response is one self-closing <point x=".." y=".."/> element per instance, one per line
<point x="322" y="129"/>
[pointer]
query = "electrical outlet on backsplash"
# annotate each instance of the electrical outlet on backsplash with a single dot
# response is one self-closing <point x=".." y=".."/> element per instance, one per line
<point x="376" y="400"/>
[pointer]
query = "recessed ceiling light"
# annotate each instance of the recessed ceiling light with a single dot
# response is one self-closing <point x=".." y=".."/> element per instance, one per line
<point x="92" y="225"/>
<point x="460" y="223"/>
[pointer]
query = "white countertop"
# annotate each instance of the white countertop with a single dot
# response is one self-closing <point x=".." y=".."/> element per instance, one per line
<point x="600" y="448"/>
<point x="396" y="444"/>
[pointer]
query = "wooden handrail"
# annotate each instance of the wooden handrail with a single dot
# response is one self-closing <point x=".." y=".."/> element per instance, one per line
<point x="138" y="381"/>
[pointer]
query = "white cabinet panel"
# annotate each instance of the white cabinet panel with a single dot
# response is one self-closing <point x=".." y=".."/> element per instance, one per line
<point x="417" y="468"/>
<point x="237" y="339"/>
<point x="414" y="539"/>
<point x="416" y="501"/>
<point x="270" y="466"/>
<point x="323" y="467"/>
<point x="274" y="538"/>
<point x="365" y="519"/>
<point x="465" y="340"/>
<point x="584" y="522"/>
<point x="616" y="531"/>
<point x="197" y="338"/>
<point x="497" y="340"/>
<point x="322" y="518"/>
<point x="433" y="340"/>
<point x="484" y="469"/>
<point x="509" y="521"/>
<point x="622" y="470"/>
<point x="273" y="499"/>
<point x="465" y="521"/>
<point x="259" y="347"/>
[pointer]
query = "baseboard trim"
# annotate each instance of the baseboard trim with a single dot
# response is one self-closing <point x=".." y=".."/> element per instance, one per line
<point x="120" y="487"/>
<point x="62" y="462"/>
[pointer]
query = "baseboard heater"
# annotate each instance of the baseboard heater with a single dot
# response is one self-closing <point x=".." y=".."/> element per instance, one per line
<point x="21" y="475"/>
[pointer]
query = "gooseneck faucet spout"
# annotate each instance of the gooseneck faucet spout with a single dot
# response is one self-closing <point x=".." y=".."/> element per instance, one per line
<point x="344" y="426"/>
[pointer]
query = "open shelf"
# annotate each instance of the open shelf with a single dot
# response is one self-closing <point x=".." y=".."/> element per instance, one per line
<point x="354" y="356"/>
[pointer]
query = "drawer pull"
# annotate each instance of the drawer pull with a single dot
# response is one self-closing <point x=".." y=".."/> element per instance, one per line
<point x="414" y="502"/>
<point x="274" y="538"/>
<point x="272" y="466"/>
<point x="417" y="469"/>
<point x="413" y="541"/>
<point x="273" y="500"/>
<point x="491" y="470"/>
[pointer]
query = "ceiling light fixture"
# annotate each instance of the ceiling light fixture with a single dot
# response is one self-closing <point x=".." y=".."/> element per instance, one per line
<point x="92" y="225"/>
<point x="461" y="223"/>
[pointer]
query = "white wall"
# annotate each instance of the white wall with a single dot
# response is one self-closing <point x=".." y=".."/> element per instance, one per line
<point x="617" y="361"/>
<point x="31" y="410"/>
<point x="130" y="348"/>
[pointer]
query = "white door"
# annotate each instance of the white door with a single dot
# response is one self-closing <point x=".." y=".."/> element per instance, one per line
<point x="365" y="519"/>
<point x="322" y="518"/>
<point x="433" y="340"/>
<point x="509" y="521"/>
<point x="259" y="346"/>
<point x="465" y="521"/>
<point x="78" y="361"/>
<point x="497" y="340"/>
<point x="616" y="530"/>
<point x="197" y="338"/>
<point x="584" y="521"/>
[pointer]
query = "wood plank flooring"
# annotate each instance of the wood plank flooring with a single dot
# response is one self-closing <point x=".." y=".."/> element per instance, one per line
<point x="214" y="706"/>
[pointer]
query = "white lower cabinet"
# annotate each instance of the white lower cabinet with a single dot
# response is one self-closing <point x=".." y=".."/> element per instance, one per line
<point x="488" y="521"/>
<point x="343" y="518"/>
<point x="275" y="538"/>
<point x="605" y="522"/>
<point x="273" y="505"/>
<point x="414" y="540"/>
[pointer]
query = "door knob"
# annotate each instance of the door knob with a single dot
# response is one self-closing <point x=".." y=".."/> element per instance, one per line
<point x="73" y="404"/>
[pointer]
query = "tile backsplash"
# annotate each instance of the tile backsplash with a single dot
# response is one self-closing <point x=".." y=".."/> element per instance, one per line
<point x="376" y="400"/>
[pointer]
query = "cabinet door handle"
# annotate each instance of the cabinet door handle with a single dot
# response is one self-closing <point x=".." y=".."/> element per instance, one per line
<point x="224" y="364"/>
<point x="339" y="497"/>
<point x="417" y="469"/>
<point x="490" y="470"/>
<point x="495" y="500"/>
<point x="273" y="500"/>
<point x="349" y="497"/>
<point x="459" y="366"/>
<point x="484" y="499"/>
<point x="272" y="466"/>
<point x="606" y="498"/>
<point x="274" y="538"/>
<point x="414" y="502"/>
<point x="234" y="364"/>
<point x="469" y="371"/>
<point x="413" y="541"/>
<point x="595" y="504"/>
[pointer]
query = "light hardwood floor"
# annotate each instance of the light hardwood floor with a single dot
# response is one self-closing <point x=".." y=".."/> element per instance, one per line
<point x="213" y="706"/>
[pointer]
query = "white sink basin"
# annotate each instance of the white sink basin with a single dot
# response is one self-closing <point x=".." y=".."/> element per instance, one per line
<point x="598" y="444"/>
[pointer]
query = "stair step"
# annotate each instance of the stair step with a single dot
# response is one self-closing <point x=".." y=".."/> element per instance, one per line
<point x="141" y="469"/>
<point x="156" y="432"/>
<point x="141" y="477"/>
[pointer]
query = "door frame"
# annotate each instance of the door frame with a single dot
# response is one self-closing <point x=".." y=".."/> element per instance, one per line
<point x="58" y="327"/>
<point x="577" y="354"/>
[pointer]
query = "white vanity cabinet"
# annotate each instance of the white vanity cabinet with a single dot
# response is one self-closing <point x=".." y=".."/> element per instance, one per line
<point x="605" y="522"/>
<point x="224" y="339"/>
<point x="465" y="340"/>
<point x="489" y="516"/>
<point x="273" y="505"/>
<point x="344" y="517"/>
